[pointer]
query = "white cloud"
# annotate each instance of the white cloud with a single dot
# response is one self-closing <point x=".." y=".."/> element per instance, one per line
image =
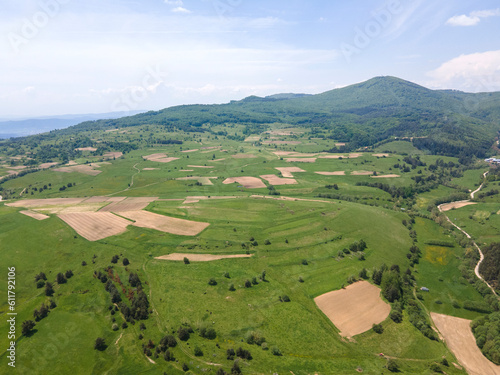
<point x="181" y="10"/>
<point x="177" y="3"/>
<point x="477" y="72"/>
<point x="473" y="18"/>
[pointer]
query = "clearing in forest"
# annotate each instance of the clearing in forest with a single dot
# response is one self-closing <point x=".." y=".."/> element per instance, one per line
<point x="354" y="309"/>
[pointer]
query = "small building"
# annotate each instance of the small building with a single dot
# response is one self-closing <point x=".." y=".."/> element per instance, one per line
<point x="493" y="160"/>
<point x="424" y="289"/>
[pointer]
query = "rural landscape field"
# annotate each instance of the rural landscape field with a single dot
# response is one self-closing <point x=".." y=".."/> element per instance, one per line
<point x="245" y="238"/>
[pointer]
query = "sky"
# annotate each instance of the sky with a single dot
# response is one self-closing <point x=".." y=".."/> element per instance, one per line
<point x="96" y="56"/>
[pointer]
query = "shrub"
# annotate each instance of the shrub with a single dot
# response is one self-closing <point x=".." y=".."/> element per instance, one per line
<point x="183" y="334"/>
<point x="114" y="327"/>
<point x="115" y="259"/>
<point x="304" y="262"/>
<point x="226" y="275"/>
<point x="198" y="352"/>
<point x="232" y="288"/>
<point x="254" y="281"/>
<point x="243" y="353"/>
<point x="267" y="242"/>
<point x="126" y="262"/>
<point x="436" y="368"/>
<point x="186" y="260"/>
<point x="60" y="278"/>
<point x="301" y="280"/>
<point x="27" y="327"/>
<point x="275" y="350"/>
<point x="100" y="344"/>
<point x="285" y="298"/>
<point x="230" y="354"/>
<point x="392" y="366"/>
<point x="40" y="284"/>
<point x="169" y="357"/>
<point x="212" y="282"/>
<point x="185" y="367"/>
<point x="68" y="274"/>
<point x="248" y="284"/>
<point x="377" y="328"/>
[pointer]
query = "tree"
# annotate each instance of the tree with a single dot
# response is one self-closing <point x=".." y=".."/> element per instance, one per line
<point x="115" y="259"/>
<point x="49" y="289"/>
<point x="126" y="262"/>
<point x="212" y="282"/>
<point x="392" y="365"/>
<point x="363" y="274"/>
<point x="68" y="274"/>
<point x="248" y="284"/>
<point x="100" y="344"/>
<point x="185" y="367"/>
<point x="183" y="334"/>
<point x="198" y="352"/>
<point x="378" y="328"/>
<point x="232" y="288"/>
<point x="186" y="260"/>
<point x="27" y="327"/>
<point x="84" y="263"/>
<point x="235" y="370"/>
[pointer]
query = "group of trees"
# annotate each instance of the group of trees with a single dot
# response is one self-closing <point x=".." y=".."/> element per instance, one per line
<point x="486" y="331"/>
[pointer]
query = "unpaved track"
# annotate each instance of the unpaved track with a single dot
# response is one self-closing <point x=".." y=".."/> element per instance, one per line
<point x="459" y="338"/>
<point x="481" y="255"/>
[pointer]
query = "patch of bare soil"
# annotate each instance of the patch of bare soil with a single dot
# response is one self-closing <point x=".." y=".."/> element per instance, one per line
<point x="129" y="204"/>
<point x="361" y="173"/>
<point x="34" y="215"/>
<point x="300" y="160"/>
<point x="451" y="206"/>
<point x="459" y="338"/>
<point x="244" y="156"/>
<point x="337" y="173"/>
<point x="277" y="181"/>
<point x="201" y="257"/>
<point x="386" y="176"/>
<point x="200" y="166"/>
<point x="202" y="180"/>
<point x="95" y="226"/>
<point x="355" y="309"/>
<point x="87" y="169"/>
<point x="86" y="149"/>
<point x="287" y="171"/>
<point x="247" y="182"/>
<point x="160" y="158"/>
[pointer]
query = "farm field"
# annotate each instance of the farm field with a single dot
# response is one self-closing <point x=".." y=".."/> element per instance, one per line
<point x="272" y="230"/>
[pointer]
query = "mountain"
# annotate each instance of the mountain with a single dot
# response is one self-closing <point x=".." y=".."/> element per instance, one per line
<point x="443" y="122"/>
<point x="30" y="126"/>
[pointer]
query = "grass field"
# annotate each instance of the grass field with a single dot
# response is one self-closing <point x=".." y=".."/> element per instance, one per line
<point x="298" y="243"/>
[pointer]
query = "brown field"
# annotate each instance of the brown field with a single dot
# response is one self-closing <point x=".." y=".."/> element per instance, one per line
<point x="150" y="169"/>
<point x="145" y="219"/>
<point x="103" y="199"/>
<point x="254" y="138"/>
<point x="339" y="144"/>
<point x="87" y="169"/>
<point x="111" y="155"/>
<point x="451" y="206"/>
<point x="381" y="155"/>
<point x="283" y="153"/>
<point x="299" y="160"/>
<point x="277" y="181"/>
<point x="281" y="142"/>
<point x="287" y="171"/>
<point x="186" y="170"/>
<point x="244" y="156"/>
<point x="34" y="215"/>
<point x="338" y="173"/>
<point x="335" y="156"/>
<point x="160" y="158"/>
<point x="196" y="199"/>
<point x="129" y="204"/>
<point x="95" y="226"/>
<point x="18" y="168"/>
<point x="202" y="180"/>
<point x="459" y="338"/>
<point x="361" y="173"/>
<point x="355" y="309"/>
<point x="386" y="176"/>
<point x="200" y="257"/>
<point x="194" y="150"/>
<point x="217" y="160"/>
<point x="200" y="166"/>
<point x="47" y="165"/>
<point x="247" y="182"/>
<point x="86" y="149"/>
<point x="45" y="202"/>
<point x="355" y="155"/>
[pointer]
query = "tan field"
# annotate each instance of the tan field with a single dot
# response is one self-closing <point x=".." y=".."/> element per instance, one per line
<point x="459" y="338"/>
<point x="451" y="206"/>
<point x="387" y="176"/>
<point x="247" y="182"/>
<point x="283" y="153"/>
<point x="334" y="156"/>
<point x="103" y="199"/>
<point x="340" y="144"/>
<point x="200" y="166"/>
<point x="145" y="219"/>
<point x="186" y="170"/>
<point x="277" y="181"/>
<point x="194" y="150"/>
<point x="244" y="156"/>
<point x="150" y="169"/>
<point x="200" y="257"/>
<point x="355" y="309"/>
<point x="338" y="173"/>
<point x="282" y="142"/>
<point x="381" y="155"/>
<point x="34" y="215"/>
<point x="361" y="173"/>
<point x="47" y="165"/>
<point x="86" y="149"/>
<point x="202" y="180"/>
<point x="299" y="160"/>
<point x="46" y="202"/>
<point x="87" y="169"/>
<point x="196" y="199"/>
<point x="253" y="138"/>
<point x="287" y="171"/>
<point x="18" y="168"/>
<point x="129" y="204"/>
<point x="160" y="158"/>
<point x="95" y="226"/>
<point x="111" y="155"/>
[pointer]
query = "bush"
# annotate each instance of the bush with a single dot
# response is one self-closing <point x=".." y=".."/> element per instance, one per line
<point x="396" y="316"/>
<point x="267" y="242"/>
<point x="248" y="284"/>
<point x="436" y="368"/>
<point x="40" y="284"/>
<point x="60" y="278"/>
<point x="115" y="259"/>
<point x="304" y="262"/>
<point x="198" y="352"/>
<point x="100" y="344"/>
<point x="114" y="327"/>
<point x="186" y="260"/>
<point x="285" y="298"/>
<point x="183" y="334"/>
<point x="185" y="367"/>
<point x="169" y="357"/>
<point x="232" y="288"/>
<point x="392" y="366"/>
<point x="126" y="262"/>
<point x="226" y="275"/>
<point x="27" y="327"/>
<point x="275" y="350"/>
<point x="212" y="282"/>
<point x="377" y="328"/>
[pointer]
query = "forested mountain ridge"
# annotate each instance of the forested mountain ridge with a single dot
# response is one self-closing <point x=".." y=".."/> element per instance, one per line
<point x="443" y="122"/>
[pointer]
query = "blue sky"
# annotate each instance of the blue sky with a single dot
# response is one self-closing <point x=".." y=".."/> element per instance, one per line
<point x="68" y="56"/>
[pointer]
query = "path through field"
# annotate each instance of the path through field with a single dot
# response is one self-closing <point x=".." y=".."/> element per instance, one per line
<point x="481" y="255"/>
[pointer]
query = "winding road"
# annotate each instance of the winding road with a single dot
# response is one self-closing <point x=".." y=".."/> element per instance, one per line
<point x="481" y="255"/>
